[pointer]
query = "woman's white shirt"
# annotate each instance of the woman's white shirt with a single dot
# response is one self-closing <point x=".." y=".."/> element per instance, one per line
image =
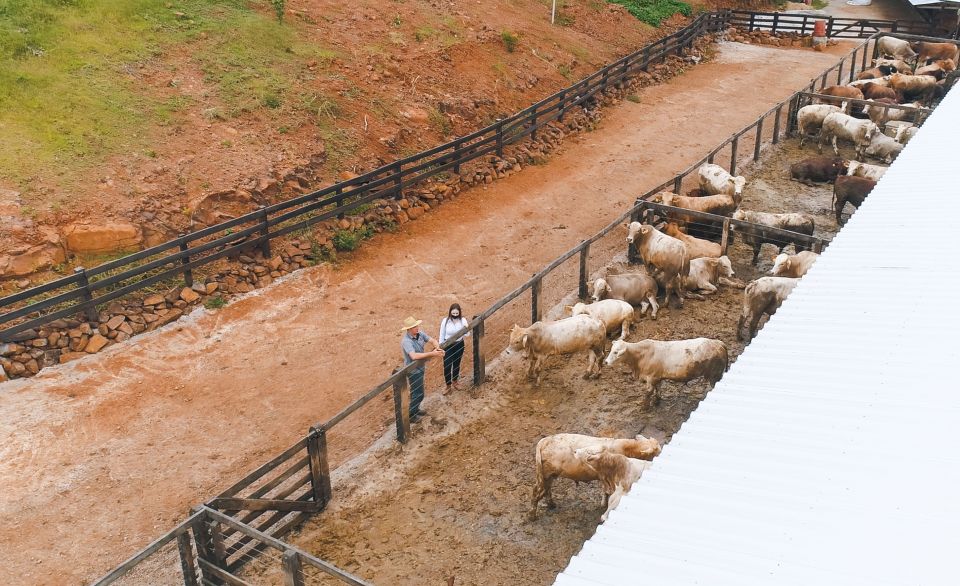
<point x="450" y="326"/>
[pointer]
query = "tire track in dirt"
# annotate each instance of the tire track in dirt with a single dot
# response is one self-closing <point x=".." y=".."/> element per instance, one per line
<point x="113" y="449"/>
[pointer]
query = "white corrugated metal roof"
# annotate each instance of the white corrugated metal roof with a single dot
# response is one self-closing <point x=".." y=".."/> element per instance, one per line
<point x="830" y="452"/>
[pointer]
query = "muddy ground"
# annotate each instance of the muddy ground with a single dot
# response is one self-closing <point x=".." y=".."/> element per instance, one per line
<point x="452" y="507"/>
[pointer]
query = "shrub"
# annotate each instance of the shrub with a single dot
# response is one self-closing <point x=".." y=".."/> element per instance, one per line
<point x="510" y="40"/>
<point x="279" y="6"/>
<point x="653" y="12"/>
<point x="215" y="302"/>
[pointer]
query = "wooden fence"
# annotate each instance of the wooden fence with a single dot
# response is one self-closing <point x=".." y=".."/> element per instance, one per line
<point x="837" y="28"/>
<point x="247" y="519"/>
<point x="84" y="290"/>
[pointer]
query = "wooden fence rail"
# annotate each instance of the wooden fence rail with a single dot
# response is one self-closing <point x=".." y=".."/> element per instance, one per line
<point x="837" y="28"/>
<point x="296" y="483"/>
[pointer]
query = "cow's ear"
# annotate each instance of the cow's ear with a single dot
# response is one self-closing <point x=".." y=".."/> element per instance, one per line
<point x="523" y="341"/>
<point x="568" y="308"/>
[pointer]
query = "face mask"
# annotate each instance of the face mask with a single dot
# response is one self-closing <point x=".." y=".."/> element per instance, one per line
<point x="455" y="313"/>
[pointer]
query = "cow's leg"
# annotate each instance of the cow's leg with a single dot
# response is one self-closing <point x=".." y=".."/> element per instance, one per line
<point x="833" y="140"/>
<point x="540" y="489"/>
<point x="653" y="304"/>
<point x="754" y="322"/>
<point x="531" y="367"/>
<point x="756" y="251"/>
<point x="625" y="328"/>
<point x="647" y="384"/>
<point x="732" y="282"/>
<point x="708" y="287"/>
<point x="644" y="306"/>
<point x="612" y="503"/>
<point x="740" y="321"/>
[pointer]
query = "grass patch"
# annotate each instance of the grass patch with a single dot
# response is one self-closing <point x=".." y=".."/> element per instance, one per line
<point x="565" y="70"/>
<point x="564" y="19"/>
<point x="653" y="12"/>
<point x="340" y="144"/>
<point x="349" y="240"/>
<point x="510" y="41"/>
<point x="71" y="88"/>
<point x="440" y="122"/>
<point x="633" y="98"/>
<point x="215" y="302"/>
<point x="424" y="33"/>
<point x="819" y="4"/>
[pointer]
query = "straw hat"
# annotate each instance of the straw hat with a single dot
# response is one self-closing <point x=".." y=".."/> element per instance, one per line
<point x="410" y="323"/>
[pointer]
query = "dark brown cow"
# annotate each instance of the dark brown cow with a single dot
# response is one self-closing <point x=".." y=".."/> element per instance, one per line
<point x="877" y="72"/>
<point x="822" y="169"/>
<point x="849" y="189"/>
<point x="841" y="93"/>
<point x="875" y="91"/>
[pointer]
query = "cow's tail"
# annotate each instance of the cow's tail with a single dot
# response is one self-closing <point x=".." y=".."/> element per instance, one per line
<point x="833" y="200"/>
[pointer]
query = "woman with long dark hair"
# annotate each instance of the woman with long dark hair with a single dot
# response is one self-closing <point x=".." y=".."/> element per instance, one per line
<point x="449" y="326"/>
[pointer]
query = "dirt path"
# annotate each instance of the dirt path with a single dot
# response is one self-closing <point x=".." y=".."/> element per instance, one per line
<point x="104" y="454"/>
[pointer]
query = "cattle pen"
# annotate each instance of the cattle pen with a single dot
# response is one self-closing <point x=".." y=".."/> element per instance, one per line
<point x="833" y="432"/>
<point x="243" y="524"/>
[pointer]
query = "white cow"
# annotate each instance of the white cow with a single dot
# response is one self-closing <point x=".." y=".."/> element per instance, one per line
<point x="635" y="288"/>
<point x="661" y="253"/>
<point x="714" y="179"/>
<point x="810" y="118"/>
<point x="652" y="361"/>
<point x="884" y="148"/>
<point x="880" y="115"/>
<point x="795" y="265"/>
<point x="555" y="458"/>
<point x="565" y="336"/>
<point x="614" y="313"/>
<point x="706" y="274"/>
<point x="905" y="133"/>
<point x="838" y="125"/>
<point x="762" y="296"/>
<point x="858" y="169"/>
<point x="617" y="474"/>
<point x="895" y="48"/>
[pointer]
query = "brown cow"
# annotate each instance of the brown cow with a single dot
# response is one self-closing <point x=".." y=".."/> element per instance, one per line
<point x="913" y="86"/>
<point x="877" y="72"/>
<point x="875" y="91"/>
<point x="927" y="52"/>
<point x="841" y="93"/>
<point x="720" y="204"/>
<point x="762" y="296"/>
<point x="555" y="459"/>
<point x="849" y="189"/>
<point x="821" y="169"/>
<point x="696" y="247"/>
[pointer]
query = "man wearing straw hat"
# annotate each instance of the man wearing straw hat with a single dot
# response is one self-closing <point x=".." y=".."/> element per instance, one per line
<point x="412" y="345"/>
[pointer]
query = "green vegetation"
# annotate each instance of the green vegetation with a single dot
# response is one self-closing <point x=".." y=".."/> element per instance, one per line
<point x="72" y="85"/>
<point x="423" y="33"/>
<point x="279" y="7"/>
<point x="215" y="303"/>
<point x="819" y="4"/>
<point x="565" y="70"/>
<point x="440" y="122"/>
<point x="347" y="240"/>
<point x="510" y="40"/>
<point x="633" y="98"/>
<point x="653" y="12"/>
<point x="564" y="19"/>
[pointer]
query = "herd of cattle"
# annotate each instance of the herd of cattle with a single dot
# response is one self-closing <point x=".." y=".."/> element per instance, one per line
<point x="680" y="264"/>
<point x="873" y="114"/>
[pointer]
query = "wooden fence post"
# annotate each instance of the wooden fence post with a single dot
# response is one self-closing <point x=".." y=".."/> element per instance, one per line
<point x="829" y="27"/>
<point x="187" y="561"/>
<point x="479" y="360"/>
<point x="533" y="123"/>
<point x="863" y="62"/>
<point x="725" y="236"/>
<point x="210" y="548"/>
<point x="264" y="231"/>
<point x="633" y="256"/>
<point x="457" y="143"/>
<point x="677" y="184"/>
<point x="776" y="124"/>
<point x="840" y="71"/>
<point x="292" y="569"/>
<point x="339" y="192"/>
<point x="535" y="312"/>
<point x="584" y="253"/>
<point x="400" y="415"/>
<point x="753" y="16"/>
<point x="185" y="260"/>
<point x="90" y="311"/>
<point x="500" y="138"/>
<point x="759" y="140"/>
<point x="319" y="466"/>
<point x="733" y="155"/>
<point x="776" y="20"/>
<point x="563" y="104"/>
<point x="818" y="246"/>
<point x="398" y="182"/>
<point x="853" y="64"/>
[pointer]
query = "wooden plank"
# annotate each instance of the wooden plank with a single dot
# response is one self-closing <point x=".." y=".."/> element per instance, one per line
<point x="243" y="540"/>
<point x="401" y="414"/>
<point x="187" y="560"/>
<point x="250" y="517"/>
<point x="323" y="461"/>
<point x="332" y="570"/>
<point x="316" y="471"/>
<point x="725" y="236"/>
<point x="535" y="310"/>
<point x="582" y="281"/>
<point x="479" y="362"/>
<point x="238" y="504"/>
<point x="220" y="574"/>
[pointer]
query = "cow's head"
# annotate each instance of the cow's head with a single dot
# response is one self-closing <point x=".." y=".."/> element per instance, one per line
<point x="781" y="264"/>
<point x="736" y="184"/>
<point x="577" y="309"/>
<point x="739" y="215"/>
<point x="649" y="445"/>
<point x="887" y="69"/>
<point x="616" y="351"/>
<point x="637" y="231"/>
<point x="600" y="288"/>
<point x="840" y="165"/>
<point x="518" y="338"/>
<point x="726" y="269"/>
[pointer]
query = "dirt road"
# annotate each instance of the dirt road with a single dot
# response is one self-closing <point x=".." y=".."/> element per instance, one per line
<point x="103" y="454"/>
